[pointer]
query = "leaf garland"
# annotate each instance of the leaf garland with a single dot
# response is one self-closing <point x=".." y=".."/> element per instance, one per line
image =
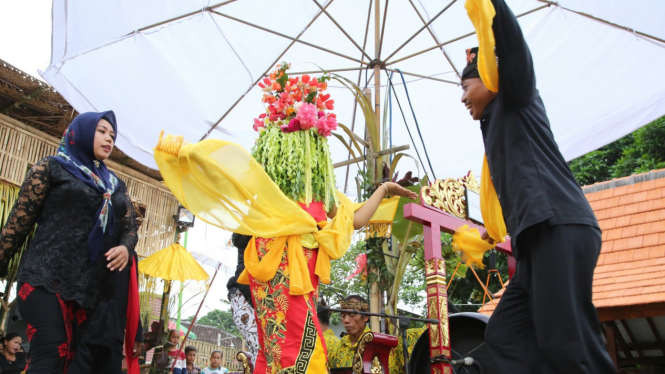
<point x="299" y="163"/>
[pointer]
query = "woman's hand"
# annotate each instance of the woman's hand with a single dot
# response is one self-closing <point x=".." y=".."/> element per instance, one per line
<point x="395" y="189"/>
<point x="117" y="257"/>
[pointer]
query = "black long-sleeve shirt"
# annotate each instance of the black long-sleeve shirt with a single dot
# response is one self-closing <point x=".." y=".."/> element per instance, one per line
<point x="57" y="258"/>
<point x="532" y="179"/>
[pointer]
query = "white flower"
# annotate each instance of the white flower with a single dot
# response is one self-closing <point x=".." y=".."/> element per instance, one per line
<point x="296" y="106"/>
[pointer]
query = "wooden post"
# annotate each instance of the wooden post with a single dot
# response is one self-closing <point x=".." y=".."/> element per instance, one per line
<point x="611" y="344"/>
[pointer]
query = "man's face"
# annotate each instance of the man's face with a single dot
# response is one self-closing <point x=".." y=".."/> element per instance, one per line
<point x="476" y="96"/>
<point x="354" y="323"/>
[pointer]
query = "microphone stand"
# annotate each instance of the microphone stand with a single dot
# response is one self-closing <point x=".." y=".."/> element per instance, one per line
<point x="403" y="323"/>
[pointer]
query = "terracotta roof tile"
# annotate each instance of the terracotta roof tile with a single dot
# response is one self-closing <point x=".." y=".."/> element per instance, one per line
<point x="628" y="232"/>
<point x="659" y="203"/>
<point x="650" y="240"/>
<point x="659" y="182"/>
<point x="594" y="196"/>
<point x="647" y="185"/>
<point x="603" y="214"/>
<point x="657" y="252"/>
<point x="654" y="194"/>
<point x="627" y="199"/>
<point x="645" y="206"/>
<point x="638" y="197"/>
<point x="637" y="218"/>
<point x="624" y="221"/>
<point x="620" y="191"/>
<point x="635" y="242"/>
<point x="606" y="194"/>
<point x="651" y="216"/>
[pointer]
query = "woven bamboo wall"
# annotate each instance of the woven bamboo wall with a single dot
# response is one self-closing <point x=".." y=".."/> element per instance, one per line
<point x="22" y="146"/>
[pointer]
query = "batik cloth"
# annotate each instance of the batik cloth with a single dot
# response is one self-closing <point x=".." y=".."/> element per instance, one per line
<point x="331" y="340"/>
<point x="288" y="326"/>
<point x="245" y="319"/>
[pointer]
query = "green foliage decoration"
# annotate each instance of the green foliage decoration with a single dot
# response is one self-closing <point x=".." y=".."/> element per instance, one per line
<point x="299" y="163"/>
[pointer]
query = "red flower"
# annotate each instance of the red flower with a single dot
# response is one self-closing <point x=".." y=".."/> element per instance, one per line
<point x="294" y="125"/>
<point x="26" y="289"/>
<point x="30" y="331"/>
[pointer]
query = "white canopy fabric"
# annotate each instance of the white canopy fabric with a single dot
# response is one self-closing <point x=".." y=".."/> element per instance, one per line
<point x="184" y="66"/>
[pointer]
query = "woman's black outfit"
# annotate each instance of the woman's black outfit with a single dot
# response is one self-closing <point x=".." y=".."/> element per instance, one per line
<point x="57" y="282"/>
<point x="12" y="367"/>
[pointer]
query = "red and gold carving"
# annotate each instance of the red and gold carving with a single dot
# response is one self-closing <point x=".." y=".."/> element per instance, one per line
<point x="437" y="308"/>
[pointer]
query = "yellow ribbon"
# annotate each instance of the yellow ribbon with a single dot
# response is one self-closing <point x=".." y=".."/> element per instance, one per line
<point x="481" y="13"/>
<point x="469" y="241"/>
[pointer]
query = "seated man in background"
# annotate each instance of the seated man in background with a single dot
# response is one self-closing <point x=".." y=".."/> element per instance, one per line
<point x="328" y="334"/>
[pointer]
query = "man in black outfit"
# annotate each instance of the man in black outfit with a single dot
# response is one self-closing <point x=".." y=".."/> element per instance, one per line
<point x="545" y="321"/>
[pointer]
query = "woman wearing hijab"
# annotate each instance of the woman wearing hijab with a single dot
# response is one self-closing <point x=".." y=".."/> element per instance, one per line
<point x="86" y="231"/>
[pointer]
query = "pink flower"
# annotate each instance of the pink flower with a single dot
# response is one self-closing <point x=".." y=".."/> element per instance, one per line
<point x="308" y="116"/>
<point x="327" y="124"/>
<point x="258" y="124"/>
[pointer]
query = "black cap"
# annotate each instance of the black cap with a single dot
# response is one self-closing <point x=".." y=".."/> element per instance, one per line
<point x="471" y="69"/>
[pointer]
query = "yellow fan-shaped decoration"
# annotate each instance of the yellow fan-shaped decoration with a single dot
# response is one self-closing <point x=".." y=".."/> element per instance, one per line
<point x="173" y="263"/>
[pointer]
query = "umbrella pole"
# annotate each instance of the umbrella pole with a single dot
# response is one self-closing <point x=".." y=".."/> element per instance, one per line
<point x="376" y="169"/>
<point x="193" y="321"/>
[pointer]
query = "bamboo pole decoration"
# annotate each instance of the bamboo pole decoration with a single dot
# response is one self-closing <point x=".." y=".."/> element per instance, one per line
<point x="189" y="329"/>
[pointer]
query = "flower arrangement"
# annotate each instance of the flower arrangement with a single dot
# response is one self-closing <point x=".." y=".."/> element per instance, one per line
<point x="297" y="103"/>
<point x="292" y="144"/>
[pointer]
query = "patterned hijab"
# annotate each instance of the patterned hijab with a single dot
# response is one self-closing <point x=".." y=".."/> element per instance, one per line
<point x="76" y="154"/>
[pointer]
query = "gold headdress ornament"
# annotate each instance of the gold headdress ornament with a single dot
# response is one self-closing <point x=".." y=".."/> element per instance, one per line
<point x="354" y="305"/>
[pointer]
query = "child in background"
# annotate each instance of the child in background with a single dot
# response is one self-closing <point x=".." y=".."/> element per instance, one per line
<point x="215" y="364"/>
<point x="190" y="365"/>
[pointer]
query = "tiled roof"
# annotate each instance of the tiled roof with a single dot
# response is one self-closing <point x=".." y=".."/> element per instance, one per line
<point x="631" y="267"/>
<point x="630" y="273"/>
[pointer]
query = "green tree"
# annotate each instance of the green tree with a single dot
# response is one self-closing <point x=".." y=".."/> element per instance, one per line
<point x="638" y="152"/>
<point x="222" y="319"/>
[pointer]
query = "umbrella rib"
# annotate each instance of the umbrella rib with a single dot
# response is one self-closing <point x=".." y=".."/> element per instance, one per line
<point x="286" y="36"/>
<point x="604" y="21"/>
<point x="436" y="40"/>
<point x="342" y="30"/>
<point x="355" y="102"/>
<point x="182" y="16"/>
<point x="321" y="71"/>
<point x="264" y="73"/>
<point x="383" y="30"/>
<point x="421" y="29"/>
<point x="426" y="77"/>
<point x="458" y="38"/>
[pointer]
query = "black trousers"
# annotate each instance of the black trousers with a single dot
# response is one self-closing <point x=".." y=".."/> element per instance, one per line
<point x="54" y="328"/>
<point x="98" y="359"/>
<point x="545" y="321"/>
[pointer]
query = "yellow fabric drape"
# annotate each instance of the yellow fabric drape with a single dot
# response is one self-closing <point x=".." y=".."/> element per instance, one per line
<point x="222" y="184"/>
<point x="469" y="241"/>
<point x="481" y="13"/>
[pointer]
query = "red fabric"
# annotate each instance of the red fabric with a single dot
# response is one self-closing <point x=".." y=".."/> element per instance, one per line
<point x="132" y="321"/>
<point x="315" y="209"/>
